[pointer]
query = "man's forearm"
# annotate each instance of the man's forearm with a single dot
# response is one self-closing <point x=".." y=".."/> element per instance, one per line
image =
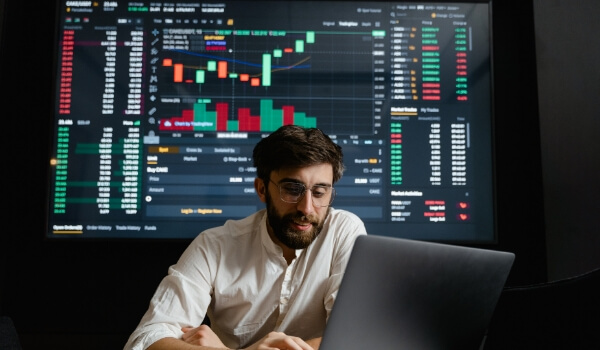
<point x="178" y="344"/>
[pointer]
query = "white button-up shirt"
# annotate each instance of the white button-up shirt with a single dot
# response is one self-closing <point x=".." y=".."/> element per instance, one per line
<point x="239" y="277"/>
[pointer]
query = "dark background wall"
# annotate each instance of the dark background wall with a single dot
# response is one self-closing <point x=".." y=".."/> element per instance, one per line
<point x="70" y="295"/>
<point x="568" y="62"/>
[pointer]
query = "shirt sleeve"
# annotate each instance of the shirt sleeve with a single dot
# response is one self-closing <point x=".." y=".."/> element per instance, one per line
<point x="348" y="227"/>
<point x="181" y="299"/>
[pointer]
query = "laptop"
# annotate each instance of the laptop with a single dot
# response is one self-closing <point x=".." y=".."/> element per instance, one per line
<point x="408" y="294"/>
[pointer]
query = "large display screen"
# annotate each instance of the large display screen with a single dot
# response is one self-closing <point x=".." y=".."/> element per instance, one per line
<point x="158" y="106"/>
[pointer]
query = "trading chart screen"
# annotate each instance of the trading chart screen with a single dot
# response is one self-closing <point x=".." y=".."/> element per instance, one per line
<point x="158" y="106"/>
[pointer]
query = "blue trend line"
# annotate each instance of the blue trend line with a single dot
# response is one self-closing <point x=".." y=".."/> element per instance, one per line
<point x="236" y="61"/>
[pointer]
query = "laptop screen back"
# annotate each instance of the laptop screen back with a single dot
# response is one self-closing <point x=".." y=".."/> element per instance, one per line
<point x="407" y="294"/>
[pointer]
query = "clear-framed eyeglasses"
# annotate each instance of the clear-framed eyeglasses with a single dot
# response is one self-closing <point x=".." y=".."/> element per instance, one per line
<point x="293" y="192"/>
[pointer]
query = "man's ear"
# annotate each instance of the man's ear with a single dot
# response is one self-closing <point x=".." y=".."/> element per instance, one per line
<point x="261" y="189"/>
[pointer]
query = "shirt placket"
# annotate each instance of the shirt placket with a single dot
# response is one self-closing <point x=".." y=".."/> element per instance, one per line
<point x="286" y="292"/>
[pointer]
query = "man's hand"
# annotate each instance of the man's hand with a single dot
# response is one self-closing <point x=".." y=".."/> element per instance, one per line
<point x="203" y="336"/>
<point x="278" y="340"/>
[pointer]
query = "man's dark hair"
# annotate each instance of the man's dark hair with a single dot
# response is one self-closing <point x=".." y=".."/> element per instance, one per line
<point x="293" y="146"/>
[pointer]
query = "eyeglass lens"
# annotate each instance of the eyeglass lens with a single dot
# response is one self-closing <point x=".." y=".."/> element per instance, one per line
<point x="292" y="192"/>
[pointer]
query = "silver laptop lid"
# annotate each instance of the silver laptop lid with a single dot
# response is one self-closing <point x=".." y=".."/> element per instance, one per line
<point x="407" y="294"/>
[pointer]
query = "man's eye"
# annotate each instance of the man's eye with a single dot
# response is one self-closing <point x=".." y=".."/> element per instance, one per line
<point x="319" y="191"/>
<point x="296" y="190"/>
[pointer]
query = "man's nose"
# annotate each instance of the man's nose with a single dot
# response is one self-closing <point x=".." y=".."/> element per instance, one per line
<point x="305" y="205"/>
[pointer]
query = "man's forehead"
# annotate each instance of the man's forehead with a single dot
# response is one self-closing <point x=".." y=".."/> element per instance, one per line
<point x="320" y="173"/>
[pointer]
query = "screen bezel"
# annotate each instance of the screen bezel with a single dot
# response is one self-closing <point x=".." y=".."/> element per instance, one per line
<point x="492" y="240"/>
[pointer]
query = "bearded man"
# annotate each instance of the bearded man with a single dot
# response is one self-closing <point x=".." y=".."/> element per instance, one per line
<point x="267" y="281"/>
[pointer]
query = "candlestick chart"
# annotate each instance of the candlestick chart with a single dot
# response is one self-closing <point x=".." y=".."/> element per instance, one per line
<point x="256" y="81"/>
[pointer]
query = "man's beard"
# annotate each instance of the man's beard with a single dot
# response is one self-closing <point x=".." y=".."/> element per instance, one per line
<point x="286" y="234"/>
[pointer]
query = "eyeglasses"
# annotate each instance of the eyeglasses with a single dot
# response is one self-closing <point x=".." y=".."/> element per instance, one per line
<point x="293" y="192"/>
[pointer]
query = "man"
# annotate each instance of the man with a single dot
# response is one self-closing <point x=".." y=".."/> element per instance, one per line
<point x="267" y="281"/>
